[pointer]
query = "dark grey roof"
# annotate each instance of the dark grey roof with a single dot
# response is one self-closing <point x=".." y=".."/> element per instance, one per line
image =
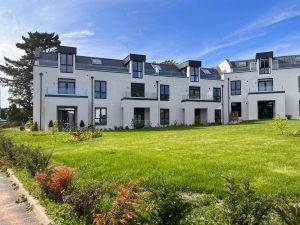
<point x="48" y="59"/>
<point x="115" y="65"/>
<point x="166" y="70"/>
<point x="210" y="74"/>
<point x="67" y="50"/>
<point x="262" y="55"/>
<point x="134" y="57"/>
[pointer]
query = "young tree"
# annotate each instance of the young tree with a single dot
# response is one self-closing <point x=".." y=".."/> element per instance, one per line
<point x="169" y="62"/>
<point x="19" y="73"/>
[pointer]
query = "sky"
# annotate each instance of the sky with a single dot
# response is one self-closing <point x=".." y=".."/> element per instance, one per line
<point x="210" y="31"/>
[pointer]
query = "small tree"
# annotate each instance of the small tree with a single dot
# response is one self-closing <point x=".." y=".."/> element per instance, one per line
<point x="280" y="123"/>
<point x="82" y="125"/>
<point x="29" y="125"/>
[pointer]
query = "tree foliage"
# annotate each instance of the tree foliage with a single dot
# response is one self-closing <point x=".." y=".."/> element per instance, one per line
<point x="169" y="62"/>
<point x="19" y="73"/>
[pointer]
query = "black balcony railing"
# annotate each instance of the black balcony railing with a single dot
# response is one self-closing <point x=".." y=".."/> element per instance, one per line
<point x="265" y="70"/>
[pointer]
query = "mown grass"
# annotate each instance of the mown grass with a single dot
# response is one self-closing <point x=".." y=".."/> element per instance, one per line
<point x="192" y="159"/>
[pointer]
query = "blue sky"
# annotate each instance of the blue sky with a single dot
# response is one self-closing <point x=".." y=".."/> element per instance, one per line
<point x="171" y="29"/>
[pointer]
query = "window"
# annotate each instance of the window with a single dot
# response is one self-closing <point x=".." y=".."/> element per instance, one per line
<point x="100" y="89"/>
<point x="236" y="107"/>
<point x="164" y="92"/>
<point x="66" y="86"/>
<point x="96" y="61"/>
<point x="66" y="63"/>
<point x="252" y="66"/>
<point x="241" y="64"/>
<point x="236" y="87"/>
<point x="100" y="116"/>
<point x="194" y="77"/>
<point x="206" y="71"/>
<point x="217" y="94"/>
<point x="265" y="85"/>
<point x="264" y="67"/>
<point x="299" y="84"/>
<point x="164" y="116"/>
<point x="156" y="68"/>
<point x="194" y="92"/>
<point x="137" y="90"/>
<point x="137" y="69"/>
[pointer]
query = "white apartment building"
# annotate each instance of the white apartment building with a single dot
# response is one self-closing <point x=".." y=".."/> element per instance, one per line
<point x="110" y="93"/>
<point x="261" y="87"/>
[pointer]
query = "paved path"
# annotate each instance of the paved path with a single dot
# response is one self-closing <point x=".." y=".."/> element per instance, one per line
<point x="12" y="213"/>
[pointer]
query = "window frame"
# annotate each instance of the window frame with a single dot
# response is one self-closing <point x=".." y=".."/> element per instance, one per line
<point x="164" y="116"/>
<point x="163" y="96"/>
<point x="194" y="74"/>
<point x="194" y="88"/>
<point x="100" y="118"/>
<point x="65" y="81"/>
<point x="101" y="92"/>
<point x="136" y="71"/>
<point x="131" y="93"/>
<point x="235" y="91"/>
<point x="67" y="64"/>
<point x="298" y="83"/>
<point x="265" y="81"/>
<point x="218" y="97"/>
<point x="240" y="111"/>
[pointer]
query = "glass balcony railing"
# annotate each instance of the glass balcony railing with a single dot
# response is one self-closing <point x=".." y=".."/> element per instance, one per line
<point x="202" y="97"/>
<point x="149" y="95"/>
<point x="265" y="89"/>
<point x="66" y="91"/>
<point x="264" y="70"/>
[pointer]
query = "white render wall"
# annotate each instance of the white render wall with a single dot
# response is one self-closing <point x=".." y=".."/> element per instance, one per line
<point x="119" y="110"/>
<point x="285" y="103"/>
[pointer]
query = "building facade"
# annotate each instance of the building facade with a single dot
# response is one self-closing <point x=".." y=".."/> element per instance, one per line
<point x="260" y="88"/>
<point x="109" y="93"/>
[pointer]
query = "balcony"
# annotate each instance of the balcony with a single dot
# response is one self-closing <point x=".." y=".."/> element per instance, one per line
<point x="267" y="89"/>
<point x="145" y="96"/>
<point x="208" y="98"/>
<point x="265" y="70"/>
<point x="66" y="92"/>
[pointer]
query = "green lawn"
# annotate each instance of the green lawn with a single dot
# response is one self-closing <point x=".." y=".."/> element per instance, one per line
<point x="190" y="159"/>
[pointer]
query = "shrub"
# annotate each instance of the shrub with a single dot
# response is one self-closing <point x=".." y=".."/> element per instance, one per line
<point x="35" y="127"/>
<point x="55" y="182"/>
<point x="83" y="135"/>
<point x="288" y="209"/>
<point x="84" y="200"/>
<point x="50" y="124"/>
<point x="32" y="159"/>
<point x="29" y="125"/>
<point x="280" y="123"/>
<point x="289" y="117"/>
<point x="242" y="206"/>
<point x="81" y="124"/>
<point x="125" y="208"/>
<point x="169" y="206"/>
<point x="294" y="133"/>
<point x="137" y="124"/>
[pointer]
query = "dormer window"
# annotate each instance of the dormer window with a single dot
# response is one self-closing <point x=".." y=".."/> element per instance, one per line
<point x="194" y="76"/>
<point x="137" y="69"/>
<point x="252" y="66"/>
<point x="66" y="63"/>
<point x="241" y="64"/>
<point x="264" y="66"/>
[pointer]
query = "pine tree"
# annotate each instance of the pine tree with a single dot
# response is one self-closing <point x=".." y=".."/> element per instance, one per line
<point x="19" y="73"/>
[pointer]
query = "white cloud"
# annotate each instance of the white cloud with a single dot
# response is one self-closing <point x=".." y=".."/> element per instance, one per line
<point x="77" y="34"/>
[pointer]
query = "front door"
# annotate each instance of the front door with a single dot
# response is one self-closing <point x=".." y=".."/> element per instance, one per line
<point x="66" y="117"/>
<point x="218" y="116"/>
<point x="139" y="114"/>
<point x="265" y="109"/>
<point x="197" y="116"/>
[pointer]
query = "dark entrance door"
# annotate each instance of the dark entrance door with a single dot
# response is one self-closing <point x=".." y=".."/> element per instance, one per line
<point x="218" y="118"/>
<point x="66" y="117"/>
<point x="197" y="116"/>
<point x="139" y="114"/>
<point x="265" y="109"/>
